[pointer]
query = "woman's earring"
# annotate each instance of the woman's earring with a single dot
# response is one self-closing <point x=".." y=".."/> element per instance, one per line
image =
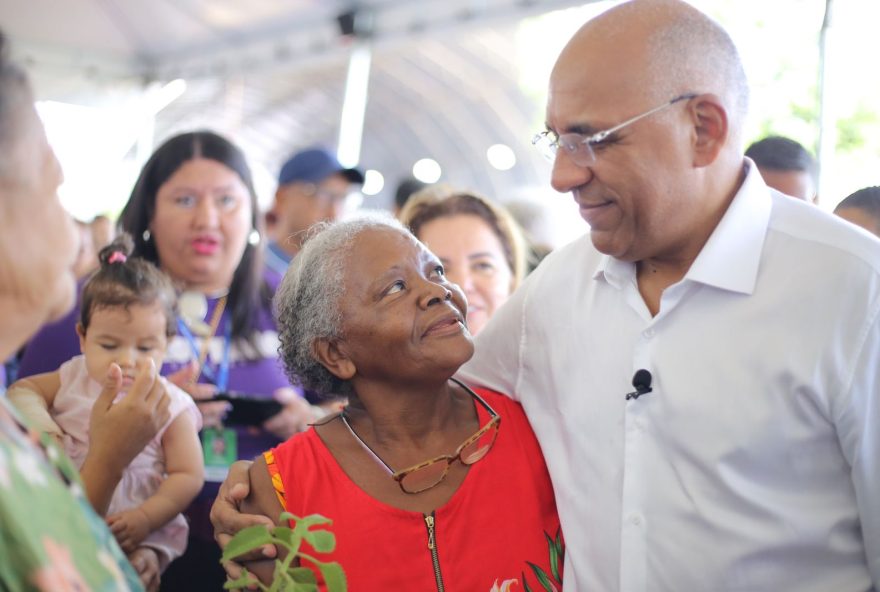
<point x="254" y="237"/>
<point x="146" y="235"/>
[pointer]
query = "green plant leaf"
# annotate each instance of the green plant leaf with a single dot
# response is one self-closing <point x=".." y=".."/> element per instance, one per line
<point x="281" y="579"/>
<point x="245" y="579"/>
<point x="303" y="575"/>
<point x="285" y="534"/>
<point x="252" y="537"/>
<point x="334" y="577"/>
<point x="543" y="578"/>
<point x="313" y="520"/>
<point x="286" y="517"/>
<point x="525" y="583"/>
<point x="287" y="578"/>
<point x="322" y="541"/>
<point x="554" y="557"/>
<point x="302" y="526"/>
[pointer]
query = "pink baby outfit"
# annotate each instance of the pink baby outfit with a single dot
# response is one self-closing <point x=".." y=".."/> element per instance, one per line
<point x="71" y="411"/>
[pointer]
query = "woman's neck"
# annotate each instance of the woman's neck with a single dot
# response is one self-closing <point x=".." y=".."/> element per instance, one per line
<point x="409" y="414"/>
<point x="210" y="291"/>
<point x="212" y="288"/>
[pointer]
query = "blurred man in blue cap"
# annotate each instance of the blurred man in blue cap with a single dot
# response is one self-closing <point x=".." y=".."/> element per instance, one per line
<point x="312" y="187"/>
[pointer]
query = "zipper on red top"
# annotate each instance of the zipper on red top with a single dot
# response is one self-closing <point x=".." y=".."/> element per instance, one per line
<point x="432" y="547"/>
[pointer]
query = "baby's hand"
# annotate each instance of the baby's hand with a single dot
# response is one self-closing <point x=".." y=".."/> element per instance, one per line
<point x="130" y="528"/>
<point x="146" y="563"/>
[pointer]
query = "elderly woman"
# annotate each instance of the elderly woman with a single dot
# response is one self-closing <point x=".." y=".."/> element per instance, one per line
<point x="479" y="243"/>
<point x="430" y="485"/>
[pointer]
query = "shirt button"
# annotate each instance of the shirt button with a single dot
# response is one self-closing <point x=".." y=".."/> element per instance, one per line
<point x="635" y="520"/>
<point x="648" y="333"/>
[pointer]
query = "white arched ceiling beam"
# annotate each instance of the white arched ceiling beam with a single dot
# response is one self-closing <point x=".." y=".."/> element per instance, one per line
<point x="437" y="107"/>
<point x="316" y="33"/>
<point x="488" y="110"/>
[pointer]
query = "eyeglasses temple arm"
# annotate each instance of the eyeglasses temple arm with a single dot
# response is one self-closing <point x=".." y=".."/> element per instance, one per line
<point x="364" y="445"/>
<point x="599" y="136"/>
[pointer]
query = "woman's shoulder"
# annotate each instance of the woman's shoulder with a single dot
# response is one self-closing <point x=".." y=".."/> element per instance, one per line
<point x="299" y="455"/>
<point x="297" y="447"/>
<point x="514" y="422"/>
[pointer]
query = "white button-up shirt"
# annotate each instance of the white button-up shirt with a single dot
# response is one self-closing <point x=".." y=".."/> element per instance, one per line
<point x="754" y="464"/>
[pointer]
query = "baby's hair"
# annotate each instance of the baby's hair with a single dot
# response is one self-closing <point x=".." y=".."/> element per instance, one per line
<point x="123" y="280"/>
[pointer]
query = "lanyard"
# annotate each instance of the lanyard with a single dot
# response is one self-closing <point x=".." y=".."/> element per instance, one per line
<point x="221" y="378"/>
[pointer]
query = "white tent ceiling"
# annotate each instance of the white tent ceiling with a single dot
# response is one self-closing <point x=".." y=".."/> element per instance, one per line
<point x="271" y="74"/>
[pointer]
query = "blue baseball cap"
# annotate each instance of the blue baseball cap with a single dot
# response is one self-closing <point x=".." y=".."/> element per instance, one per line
<point x="313" y="166"/>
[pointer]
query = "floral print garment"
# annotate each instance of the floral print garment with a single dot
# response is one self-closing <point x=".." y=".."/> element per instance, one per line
<point x="50" y="538"/>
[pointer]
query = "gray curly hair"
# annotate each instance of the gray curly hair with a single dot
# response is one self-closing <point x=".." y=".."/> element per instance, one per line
<point x="307" y="303"/>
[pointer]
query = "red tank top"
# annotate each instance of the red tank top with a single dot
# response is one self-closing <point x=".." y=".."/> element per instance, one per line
<point x="498" y="532"/>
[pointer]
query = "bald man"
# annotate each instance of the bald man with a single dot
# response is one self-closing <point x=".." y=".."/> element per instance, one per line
<point x="745" y="457"/>
<point x="744" y="454"/>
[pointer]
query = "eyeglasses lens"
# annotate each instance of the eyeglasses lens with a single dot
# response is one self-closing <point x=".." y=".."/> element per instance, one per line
<point x="425" y="477"/>
<point x="430" y="475"/>
<point x="477" y="449"/>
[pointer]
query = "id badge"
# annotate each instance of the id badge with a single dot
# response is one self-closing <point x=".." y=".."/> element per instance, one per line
<point x="220" y="448"/>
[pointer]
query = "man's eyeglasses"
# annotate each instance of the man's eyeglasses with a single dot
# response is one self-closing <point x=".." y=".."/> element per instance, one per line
<point x="326" y="196"/>
<point x="428" y="474"/>
<point x="579" y="147"/>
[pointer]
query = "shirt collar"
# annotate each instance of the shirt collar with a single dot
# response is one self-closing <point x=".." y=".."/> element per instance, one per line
<point x="731" y="257"/>
<point x="614" y="271"/>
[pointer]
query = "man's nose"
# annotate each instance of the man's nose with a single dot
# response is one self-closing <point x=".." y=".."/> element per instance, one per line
<point x="567" y="175"/>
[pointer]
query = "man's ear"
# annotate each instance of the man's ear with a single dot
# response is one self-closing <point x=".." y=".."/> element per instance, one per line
<point x="710" y="128"/>
<point x="332" y="355"/>
<point x="81" y="331"/>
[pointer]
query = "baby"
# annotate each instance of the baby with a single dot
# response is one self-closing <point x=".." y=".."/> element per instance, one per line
<point x="127" y="316"/>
